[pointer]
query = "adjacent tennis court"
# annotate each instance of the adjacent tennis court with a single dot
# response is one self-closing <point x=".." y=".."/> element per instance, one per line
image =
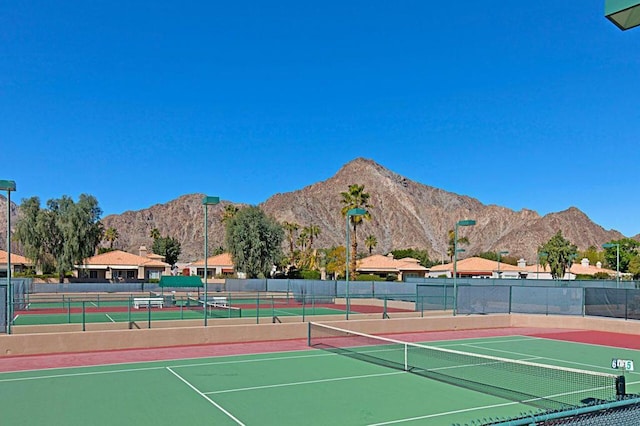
<point x="311" y="387"/>
<point x="78" y="309"/>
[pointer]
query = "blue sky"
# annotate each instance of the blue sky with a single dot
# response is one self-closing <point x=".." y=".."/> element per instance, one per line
<point x="520" y="104"/>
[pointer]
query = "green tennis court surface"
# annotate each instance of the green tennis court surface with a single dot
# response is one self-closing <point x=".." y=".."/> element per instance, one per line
<point x="312" y="387"/>
<point x="118" y="308"/>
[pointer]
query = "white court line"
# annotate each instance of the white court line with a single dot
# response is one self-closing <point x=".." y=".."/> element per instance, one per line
<point x="606" y="368"/>
<point x="219" y="407"/>
<point x="308" y="382"/>
<point x="112" y="320"/>
<point x="446" y="413"/>
<point x="94" y="304"/>
<point x="125" y="370"/>
<point x="88" y="373"/>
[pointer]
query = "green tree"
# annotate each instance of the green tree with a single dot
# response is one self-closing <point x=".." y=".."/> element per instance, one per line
<point x="313" y="231"/>
<point x="370" y="243"/>
<point x="452" y="237"/>
<point x="229" y="212"/>
<point x="634" y="267"/>
<point x="168" y="247"/>
<point x="335" y="261"/>
<point x="111" y="235"/>
<point x="254" y="241"/>
<point x="291" y="228"/>
<point x="560" y="254"/>
<point x="628" y="250"/>
<point x="594" y="255"/>
<point x="154" y="233"/>
<point x="489" y="255"/>
<point x="355" y="198"/>
<point x="61" y="235"/>
<point x="421" y="255"/>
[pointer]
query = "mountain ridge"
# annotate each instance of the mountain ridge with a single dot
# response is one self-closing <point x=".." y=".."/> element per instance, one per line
<point x="405" y="214"/>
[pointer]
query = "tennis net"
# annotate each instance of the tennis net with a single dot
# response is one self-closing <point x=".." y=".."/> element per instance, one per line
<point x="215" y="308"/>
<point x="540" y="385"/>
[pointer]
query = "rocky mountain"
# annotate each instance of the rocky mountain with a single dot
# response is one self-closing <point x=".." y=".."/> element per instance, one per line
<point x="404" y="214"/>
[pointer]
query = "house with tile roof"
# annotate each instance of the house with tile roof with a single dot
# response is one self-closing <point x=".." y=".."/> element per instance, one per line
<point x="217" y="266"/>
<point x="477" y="267"/>
<point x="385" y="266"/>
<point x="18" y="263"/>
<point x="120" y="266"/>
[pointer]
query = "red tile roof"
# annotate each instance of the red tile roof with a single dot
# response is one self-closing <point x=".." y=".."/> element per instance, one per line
<point x="378" y="262"/>
<point x="475" y="264"/>
<point x="122" y="258"/>
<point x="15" y="259"/>
<point x="223" y="259"/>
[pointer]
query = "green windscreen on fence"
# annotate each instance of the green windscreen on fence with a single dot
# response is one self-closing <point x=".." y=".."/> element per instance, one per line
<point x="180" y="281"/>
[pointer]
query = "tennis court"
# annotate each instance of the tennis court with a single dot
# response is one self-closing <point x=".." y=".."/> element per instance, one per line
<point x="312" y="386"/>
<point x="115" y="308"/>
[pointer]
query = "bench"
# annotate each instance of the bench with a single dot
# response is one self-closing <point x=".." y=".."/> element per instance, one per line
<point x="220" y="302"/>
<point x="153" y="302"/>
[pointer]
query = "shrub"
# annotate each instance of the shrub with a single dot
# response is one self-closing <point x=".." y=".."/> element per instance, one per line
<point x="369" y="277"/>
<point x="310" y="275"/>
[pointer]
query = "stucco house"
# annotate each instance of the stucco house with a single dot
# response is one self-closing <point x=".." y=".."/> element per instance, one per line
<point x="18" y="263"/>
<point x="477" y="267"/>
<point x="383" y="266"/>
<point x="120" y="266"/>
<point x="217" y="266"/>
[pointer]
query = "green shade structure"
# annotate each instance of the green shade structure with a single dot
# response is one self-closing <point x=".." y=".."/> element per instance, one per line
<point x="625" y="14"/>
<point x="206" y="202"/>
<point x="352" y="212"/>
<point x="617" y="246"/>
<point x="466" y="222"/>
<point x="8" y="185"/>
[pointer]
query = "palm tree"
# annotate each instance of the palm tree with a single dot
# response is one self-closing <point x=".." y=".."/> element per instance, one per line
<point x="111" y="235"/>
<point x="370" y="242"/>
<point x="312" y="231"/>
<point x="155" y="234"/>
<point x="303" y="239"/>
<point x="229" y="212"/>
<point x="355" y="198"/>
<point x="291" y="228"/>
<point x="452" y="244"/>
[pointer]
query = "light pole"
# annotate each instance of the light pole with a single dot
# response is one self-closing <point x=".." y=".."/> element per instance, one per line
<point x="8" y="185"/>
<point x="625" y="14"/>
<point x="468" y="222"/>
<point x="207" y="201"/>
<point x="352" y="212"/>
<point x="500" y="253"/>
<point x="540" y="253"/>
<point x="617" y="246"/>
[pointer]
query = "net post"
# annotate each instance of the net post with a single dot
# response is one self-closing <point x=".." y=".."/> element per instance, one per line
<point x="309" y="333"/>
<point x="83" y="316"/>
<point x="406" y="357"/>
<point x="69" y="309"/>
<point x="621" y="390"/>
<point x="149" y="314"/>
<point x="129" y="309"/>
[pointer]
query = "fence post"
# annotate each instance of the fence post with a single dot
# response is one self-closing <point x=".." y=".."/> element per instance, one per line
<point x="83" y="316"/>
<point x="258" y="308"/>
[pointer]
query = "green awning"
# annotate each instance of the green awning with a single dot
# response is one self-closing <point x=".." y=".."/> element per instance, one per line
<point x="180" y="281"/>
